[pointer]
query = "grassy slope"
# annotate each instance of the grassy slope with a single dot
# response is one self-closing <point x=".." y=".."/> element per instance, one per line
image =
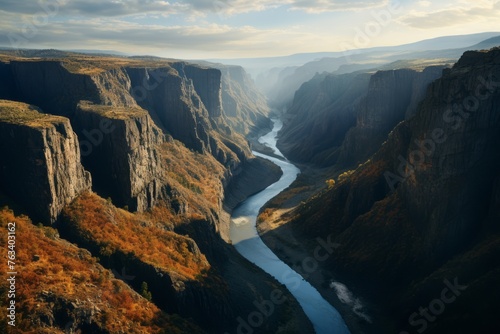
<point x="66" y="281"/>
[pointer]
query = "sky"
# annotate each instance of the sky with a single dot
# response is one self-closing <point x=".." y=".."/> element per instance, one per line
<point x="205" y="29"/>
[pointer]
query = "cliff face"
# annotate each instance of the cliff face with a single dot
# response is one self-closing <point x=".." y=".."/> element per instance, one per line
<point x="207" y="82"/>
<point x="176" y="104"/>
<point x="430" y="194"/>
<point x="391" y="96"/>
<point x="322" y="112"/>
<point x="57" y="87"/>
<point x="121" y="150"/>
<point x="40" y="164"/>
<point x="244" y="105"/>
<point x="343" y="119"/>
<point x="184" y="100"/>
<point x="8" y="90"/>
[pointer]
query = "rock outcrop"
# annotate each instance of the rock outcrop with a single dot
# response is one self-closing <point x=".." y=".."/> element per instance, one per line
<point x="57" y="86"/>
<point x="183" y="100"/>
<point x="207" y="83"/>
<point x="173" y="101"/>
<point x="40" y="166"/>
<point x="120" y="147"/>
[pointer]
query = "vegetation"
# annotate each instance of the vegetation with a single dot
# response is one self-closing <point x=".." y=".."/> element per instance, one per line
<point x="25" y="114"/>
<point x="112" y="229"/>
<point x="145" y="292"/>
<point x="55" y="278"/>
<point x="345" y="175"/>
<point x="112" y="112"/>
<point x="196" y="178"/>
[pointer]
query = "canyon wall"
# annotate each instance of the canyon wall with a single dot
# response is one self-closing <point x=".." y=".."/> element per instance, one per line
<point x="343" y="119"/>
<point x="40" y="164"/>
<point x="121" y="150"/>
<point x="423" y="209"/>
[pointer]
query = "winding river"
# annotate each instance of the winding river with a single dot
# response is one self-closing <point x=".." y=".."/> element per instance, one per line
<point x="324" y="317"/>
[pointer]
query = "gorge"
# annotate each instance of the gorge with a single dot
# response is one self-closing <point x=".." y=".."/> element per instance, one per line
<point x="245" y="238"/>
<point x="156" y="195"/>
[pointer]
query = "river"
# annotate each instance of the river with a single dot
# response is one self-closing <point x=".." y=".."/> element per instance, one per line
<point x="244" y="236"/>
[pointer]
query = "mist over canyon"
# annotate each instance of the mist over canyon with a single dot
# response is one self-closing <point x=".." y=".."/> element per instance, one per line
<point x="339" y="194"/>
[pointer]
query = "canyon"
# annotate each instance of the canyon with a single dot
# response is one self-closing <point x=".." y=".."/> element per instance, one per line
<point x="163" y="196"/>
<point x="144" y="148"/>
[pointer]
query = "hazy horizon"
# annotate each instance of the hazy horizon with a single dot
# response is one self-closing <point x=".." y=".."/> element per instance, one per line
<point x="200" y="29"/>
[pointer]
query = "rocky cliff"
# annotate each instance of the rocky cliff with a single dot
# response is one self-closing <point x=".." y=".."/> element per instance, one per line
<point x="120" y="147"/>
<point x="423" y="209"/>
<point x="40" y="166"/>
<point x="343" y="119"/>
<point x="175" y="103"/>
<point x="207" y="82"/>
<point x="183" y="100"/>
<point x="392" y="96"/>
<point x="323" y="110"/>
<point x="245" y="106"/>
<point x="58" y="86"/>
<point x="171" y="97"/>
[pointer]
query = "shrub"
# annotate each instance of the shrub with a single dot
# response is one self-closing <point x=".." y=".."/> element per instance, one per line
<point x="330" y="183"/>
<point x="145" y="292"/>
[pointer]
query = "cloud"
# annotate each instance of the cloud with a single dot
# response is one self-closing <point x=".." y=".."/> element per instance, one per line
<point x="424" y="3"/>
<point x="320" y="6"/>
<point x="116" y="8"/>
<point x="170" y="41"/>
<point x="105" y="8"/>
<point x="459" y="15"/>
<point x="309" y="6"/>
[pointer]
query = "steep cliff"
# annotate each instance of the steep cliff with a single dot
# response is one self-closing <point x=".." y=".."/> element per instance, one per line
<point x="207" y="82"/>
<point x="245" y="106"/>
<point x="8" y="90"/>
<point x="40" y="165"/>
<point x="391" y="96"/>
<point x="175" y="103"/>
<point x="57" y="86"/>
<point x="183" y="99"/>
<point x="120" y="147"/>
<point x="343" y="119"/>
<point x="426" y="202"/>
<point x="172" y="99"/>
<point x="322" y="112"/>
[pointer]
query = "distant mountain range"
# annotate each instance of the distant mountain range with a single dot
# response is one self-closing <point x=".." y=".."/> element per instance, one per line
<point x="256" y="65"/>
<point x="280" y="83"/>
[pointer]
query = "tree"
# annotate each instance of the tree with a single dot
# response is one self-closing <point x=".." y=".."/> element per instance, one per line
<point x="144" y="291"/>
